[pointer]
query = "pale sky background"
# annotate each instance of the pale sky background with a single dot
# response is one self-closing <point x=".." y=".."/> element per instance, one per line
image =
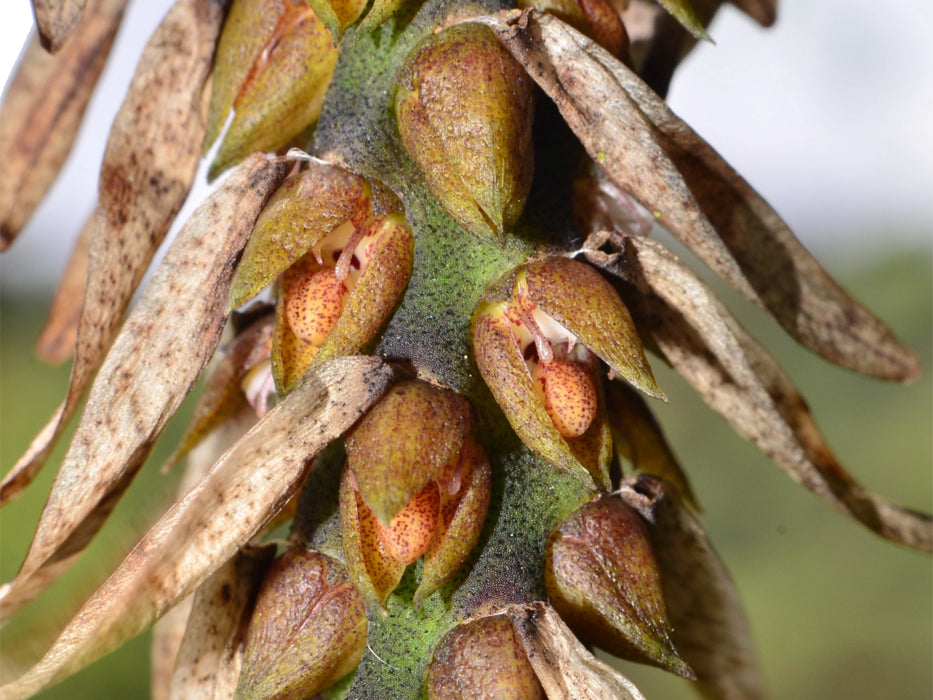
<point x="829" y="114"/>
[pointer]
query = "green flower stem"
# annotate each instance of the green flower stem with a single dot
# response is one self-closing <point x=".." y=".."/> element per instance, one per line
<point x="430" y="333"/>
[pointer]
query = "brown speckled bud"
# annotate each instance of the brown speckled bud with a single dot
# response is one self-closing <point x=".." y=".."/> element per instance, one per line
<point x="405" y="440"/>
<point x="602" y="578"/>
<point x="290" y="67"/>
<point x="465" y="110"/>
<point x="482" y="659"/>
<point x="307" y="631"/>
<point x="568" y="395"/>
<point x="314" y="303"/>
<point x="410" y="532"/>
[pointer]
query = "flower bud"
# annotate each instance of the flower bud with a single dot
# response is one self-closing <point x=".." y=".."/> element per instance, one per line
<point x="290" y="68"/>
<point x="314" y="303"/>
<point x="482" y="658"/>
<point x="568" y="395"/>
<point x="405" y="440"/>
<point x="416" y="484"/>
<point x="465" y="109"/>
<point x="307" y="631"/>
<point x="602" y="578"/>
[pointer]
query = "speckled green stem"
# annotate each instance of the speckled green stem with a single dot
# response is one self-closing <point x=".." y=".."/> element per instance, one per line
<point x="430" y="334"/>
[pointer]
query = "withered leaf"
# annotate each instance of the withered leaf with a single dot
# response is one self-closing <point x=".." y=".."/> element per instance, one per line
<point x="710" y="629"/>
<point x="566" y="669"/>
<point x="156" y="359"/>
<point x="167" y="634"/>
<point x="649" y="152"/>
<point x="169" y="631"/>
<point x="56" y="343"/>
<point x="202" y="530"/>
<point x="738" y="378"/>
<point x="42" y="108"/>
<point x="762" y="11"/>
<point x="57" y="20"/>
<point x="211" y="653"/>
<point x="149" y="165"/>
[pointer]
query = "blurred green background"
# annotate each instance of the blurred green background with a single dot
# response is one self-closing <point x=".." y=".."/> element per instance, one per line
<point x="836" y="611"/>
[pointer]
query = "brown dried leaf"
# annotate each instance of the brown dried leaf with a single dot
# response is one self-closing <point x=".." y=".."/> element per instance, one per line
<point x="57" y="341"/>
<point x="57" y="20"/>
<point x="168" y="632"/>
<point x="242" y="492"/>
<point x="737" y="378"/>
<point x="564" y="666"/>
<point x="149" y="165"/>
<point x="648" y="151"/>
<point x="710" y="629"/>
<point x="42" y="108"/>
<point x="211" y="653"/>
<point x="158" y="356"/>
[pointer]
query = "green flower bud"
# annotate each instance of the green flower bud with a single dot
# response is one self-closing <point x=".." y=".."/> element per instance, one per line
<point x="289" y="73"/>
<point x="602" y="578"/>
<point x="308" y="629"/>
<point x="465" y="110"/>
<point x="482" y="658"/>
